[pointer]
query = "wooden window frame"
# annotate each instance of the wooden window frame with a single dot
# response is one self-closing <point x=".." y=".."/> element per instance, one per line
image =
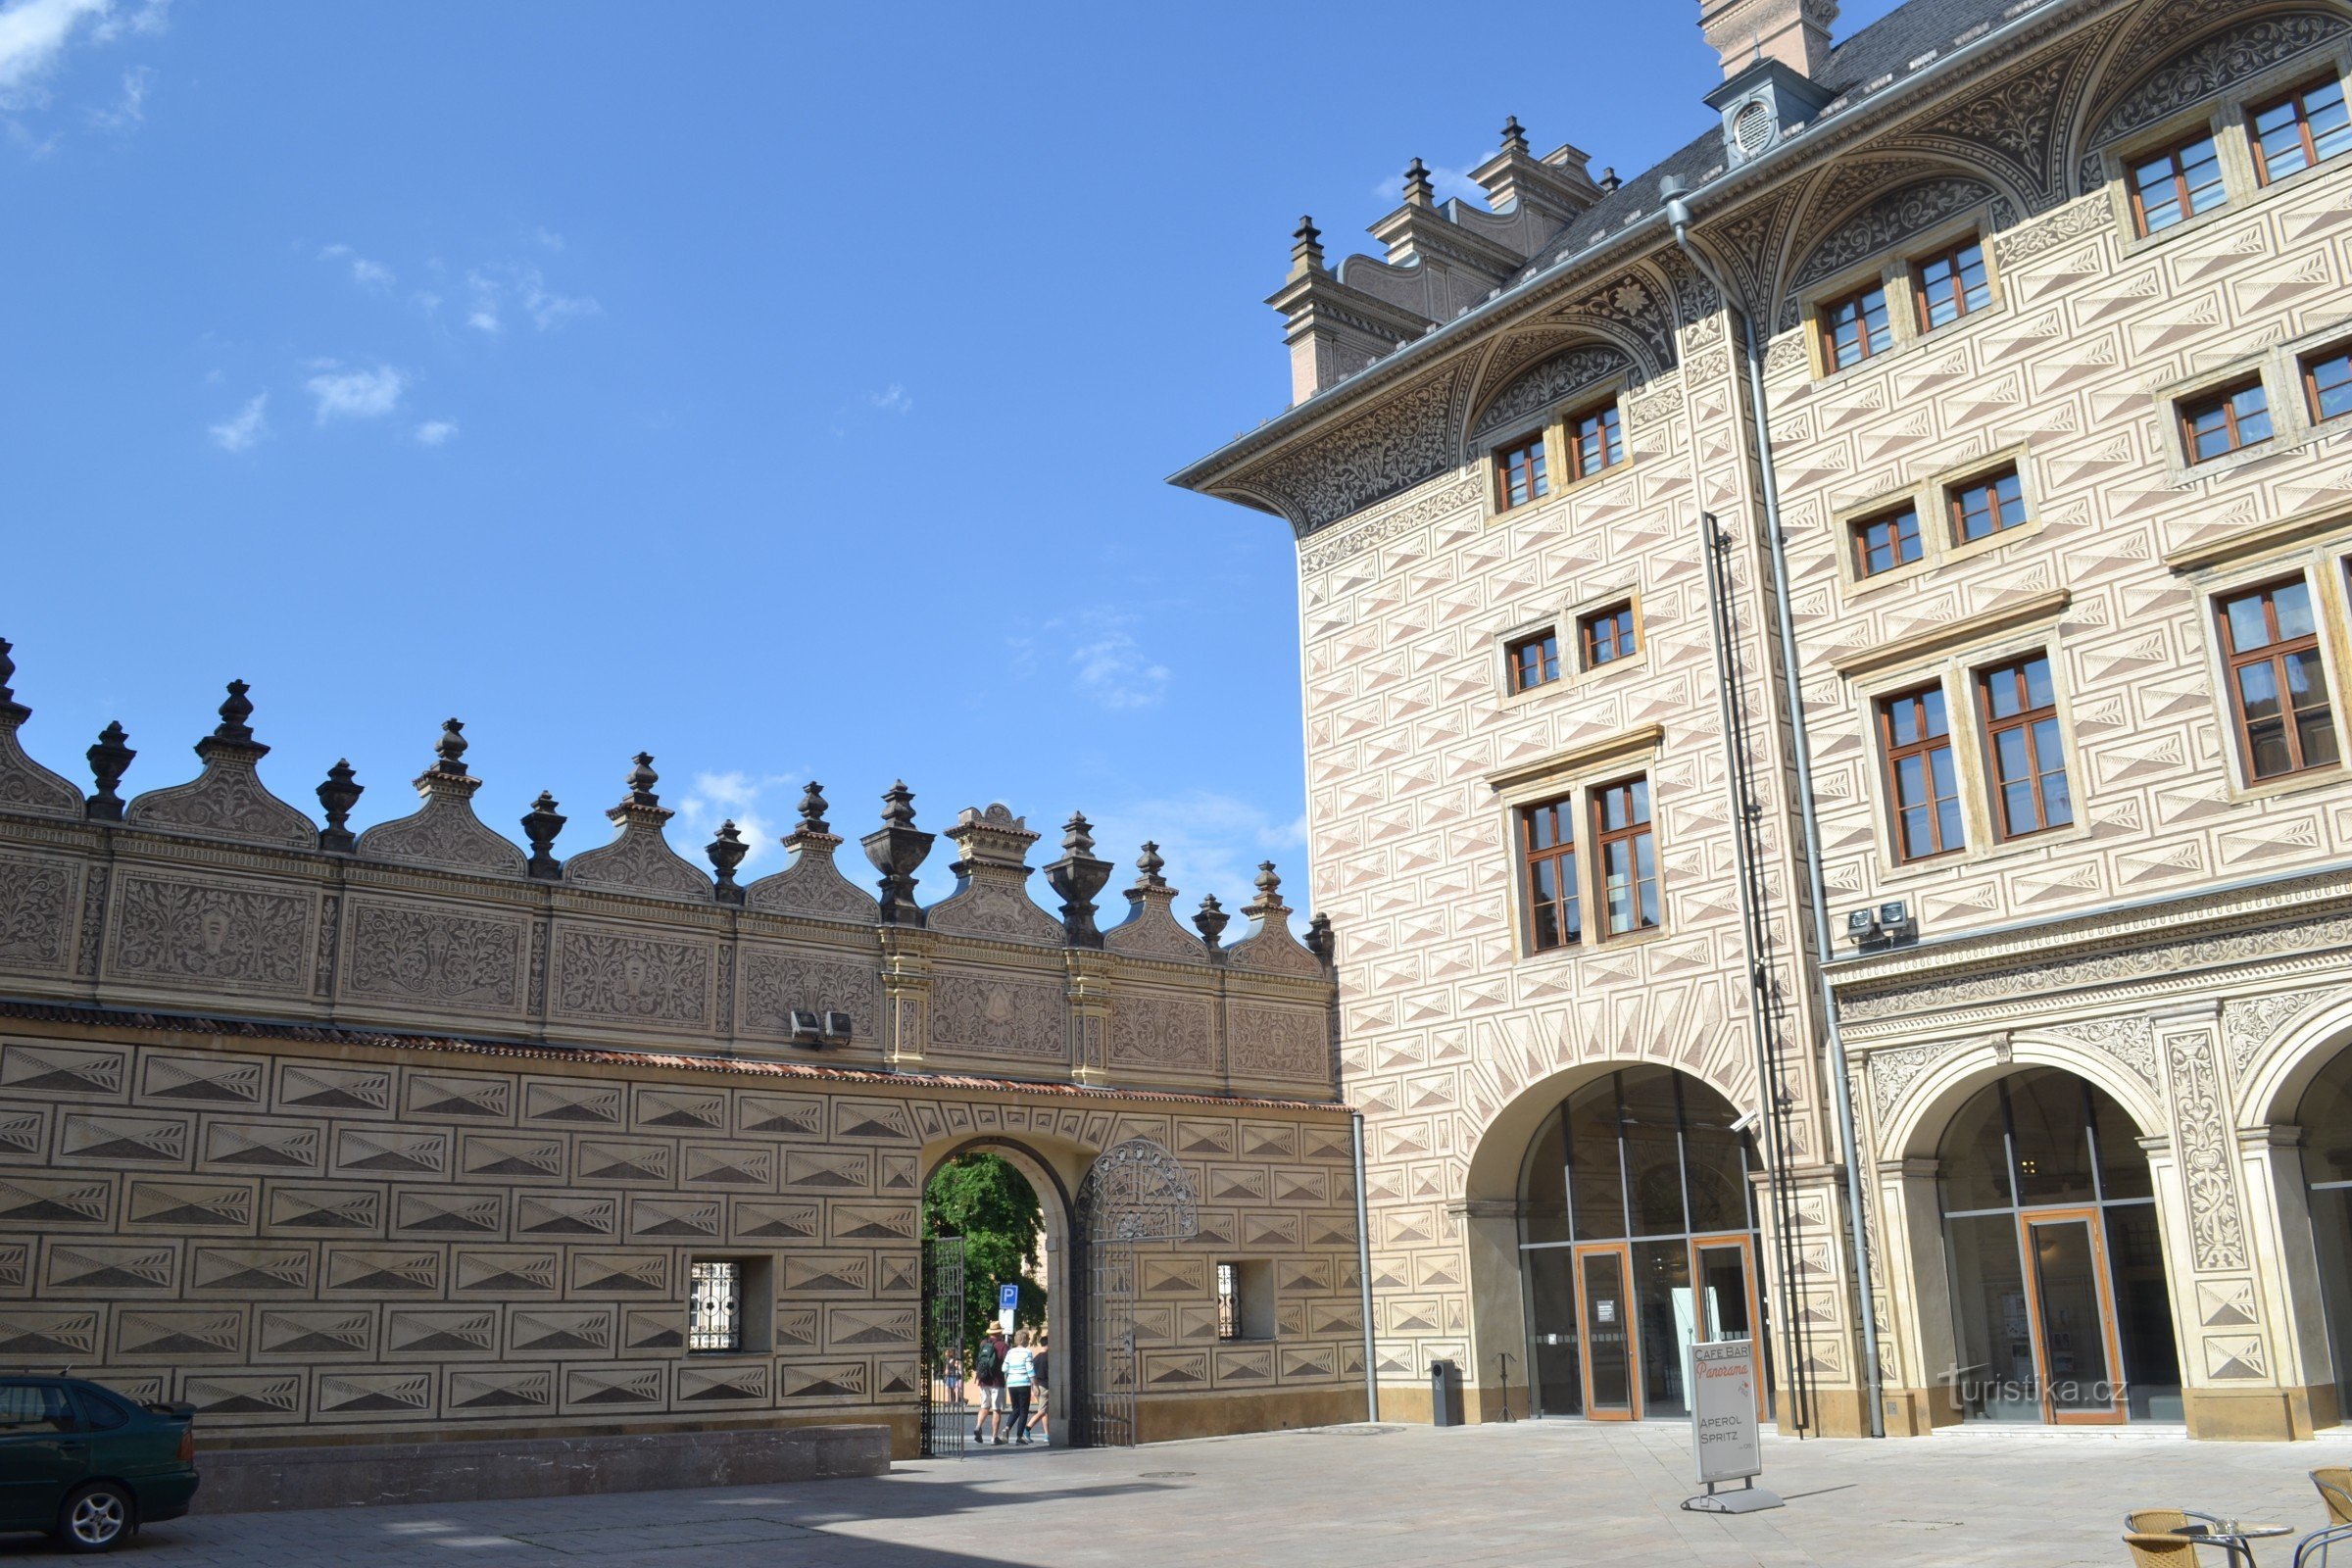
<point x="1825" y="313"/>
<point x="1957" y="492"/>
<point x="1959" y="293"/>
<point x="1588" y="625"/>
<point x="2026" y="719"/>
<point x="1517" y="668"/>
<point x="2181" y="190"/>
<point x="2223" y="400"/>
<point x="2308" y="367"/>
<point x="1859" y="530"/>
<point x="2312" y="158"/>
<point x="1561" y="855"/>
<point x="2274" y="654"/>
<point x="1611" y="412"/>
<point x="1606" y="837"/>
<point x="1539" y="471"/>
<point x="1894" y="754"/>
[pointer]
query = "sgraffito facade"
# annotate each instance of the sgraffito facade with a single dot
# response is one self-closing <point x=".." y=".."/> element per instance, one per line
<point x="414" y="1133"/>
<point x="2049" y="307"/>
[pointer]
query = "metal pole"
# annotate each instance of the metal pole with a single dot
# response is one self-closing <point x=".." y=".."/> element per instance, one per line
<point x="1752" y="937"/>
<point x="1800" y="756"/>
<point x="1364" y="1268"/>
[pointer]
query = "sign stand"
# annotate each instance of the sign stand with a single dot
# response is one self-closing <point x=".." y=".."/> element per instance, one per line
<point x="1725" y="1442"/>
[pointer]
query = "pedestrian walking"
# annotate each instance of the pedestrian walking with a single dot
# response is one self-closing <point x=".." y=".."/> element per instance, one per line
<point x="1042" y="1397"/>
<point x="1020" y="1382"/>
<point x="988" y="1370"/>
<point x="954" y="1376"/>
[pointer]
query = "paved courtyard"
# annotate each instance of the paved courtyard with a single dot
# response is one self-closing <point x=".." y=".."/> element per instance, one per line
<point x="1546" y="1492"/>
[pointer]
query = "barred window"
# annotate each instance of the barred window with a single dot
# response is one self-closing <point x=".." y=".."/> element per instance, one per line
<point x="715" y="1306"/>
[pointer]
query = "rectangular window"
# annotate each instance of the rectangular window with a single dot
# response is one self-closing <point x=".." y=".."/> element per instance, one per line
<point x="1855" y="327"/>
<point x="1594" y="442"/>
<point x="1607" y="635"/>
<point x="1533" y="660"/>
<point x="1229" y="1304"/>
<point x="1555" y="914"/>
<point x="2029" y="759"/>
<point x="2306" y="127"/>
<point x="1952" y="285"/>
<point x="1245" y="1301"/>
<point x="1887" y="541"/>
<point x="1981" y="508"/>
<point x="2277" y="691"/>
<point x="1916" y="733"/>
<point x="1519" y="477"/>
<point x="1628" y="857"/>
<point x="2174" y="185"/>
<point x="2229" y="420"/>
<point x="715" y="1306"/>
<point x="2327" y="383"/>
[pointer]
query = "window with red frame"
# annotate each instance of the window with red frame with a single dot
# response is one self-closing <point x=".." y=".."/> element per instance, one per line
<point x="2277" y="689"/>
<point x="1519" y="477"/>
<point x="1916" y="734"/>
<point x="1547" y="837"/>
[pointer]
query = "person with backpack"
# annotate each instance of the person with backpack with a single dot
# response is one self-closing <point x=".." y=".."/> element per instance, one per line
<point x="988" y="1370"/>
<point x="1020" y="1381"/>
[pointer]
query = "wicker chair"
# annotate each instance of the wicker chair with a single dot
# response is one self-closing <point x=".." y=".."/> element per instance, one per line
<point x="2154" y="1538"/>
<point x="2335" y="1490"/>
<point x="2154" y="1550"/>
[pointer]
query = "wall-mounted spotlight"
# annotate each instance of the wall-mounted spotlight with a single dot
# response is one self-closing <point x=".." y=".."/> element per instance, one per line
<point x="1895" y="923"/>
<point x="1862" y="927"/>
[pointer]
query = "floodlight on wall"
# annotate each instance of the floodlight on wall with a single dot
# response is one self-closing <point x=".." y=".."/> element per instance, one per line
<point x="1862" y="927"/>
<point x="808" y="1027"/>
<point x="1896" y="922"/>
<point x="837" y="1028"/>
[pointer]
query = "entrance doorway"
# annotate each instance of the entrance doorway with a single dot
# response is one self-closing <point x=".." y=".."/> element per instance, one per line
<point x="1637" y="1239"/>
<point x="2060" y="1310"/>
<point x="2325" y="1116"/>
<point x="984" y="1232"/>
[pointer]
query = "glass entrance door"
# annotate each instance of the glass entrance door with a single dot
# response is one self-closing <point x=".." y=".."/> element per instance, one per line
<point x="1611" y="1349"/>
<point x="2073" y="1305"/>
<point x="1724" y="1276"/>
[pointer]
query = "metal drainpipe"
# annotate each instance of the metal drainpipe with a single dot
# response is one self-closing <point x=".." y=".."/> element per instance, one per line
<point x="1678" y="216"/>
<point x="1364" y="1268"/>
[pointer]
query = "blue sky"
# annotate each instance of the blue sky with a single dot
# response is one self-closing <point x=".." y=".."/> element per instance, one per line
<point x="779" y="389"/>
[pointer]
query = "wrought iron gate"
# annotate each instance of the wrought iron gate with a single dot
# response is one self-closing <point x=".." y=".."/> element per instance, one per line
<point x="946" y="1419"/>
<point x="1135" y="1193"/>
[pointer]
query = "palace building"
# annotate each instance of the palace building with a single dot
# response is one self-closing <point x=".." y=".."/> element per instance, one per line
<point x="1825" y="671"/>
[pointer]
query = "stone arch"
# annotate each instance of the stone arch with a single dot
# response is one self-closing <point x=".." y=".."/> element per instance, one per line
<point x="2279" y="1062"/>
<point x="1494" y="1169"/>
<point x="2184" y="54"/>
<point x="1531" y="374"/>
<point x="1866" y="211"/>
<point x="1912" y="1125"/>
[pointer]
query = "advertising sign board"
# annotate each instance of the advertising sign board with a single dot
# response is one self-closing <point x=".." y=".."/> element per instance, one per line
<point x="1726" y="1444"/>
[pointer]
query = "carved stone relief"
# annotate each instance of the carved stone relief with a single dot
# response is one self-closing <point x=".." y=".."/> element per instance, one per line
<point x="1279" y="1041"/>
<point x="1378" y="531"/>
<point x="1151" y="931"/>
<point x="1378" y="452"/>
<point x="994" y="903"/>
<point x="1893" y="1071"/>
<point x="1538" y="388"/>
<point x="2071" y="221"/>
<point x="226" y="801"/>
<point x="443" y="832"/>
<point x="1886" y="224"/>
<point x="2248" y="1024"/>
<point x="2130" y="1041"/>
<point x="610" y="977"/>
<point x="36" y="914"/>
<point x="1274" y="950"/>
<point x="639" y="861"/>
<point x="401" y="952"/>
<point x="811" y="883"/>
<point x="26" y="784"/>
<point x="989" y="1014"/>
<point x="778" y="980"/>
<point x="2212" y="66"/>
<point x="2201" y="1135"/>
<point x="1168" y="1032"/>
<point x="181" y="931"/>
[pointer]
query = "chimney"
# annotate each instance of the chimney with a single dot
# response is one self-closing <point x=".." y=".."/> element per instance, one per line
<point x="1794" y="32"/>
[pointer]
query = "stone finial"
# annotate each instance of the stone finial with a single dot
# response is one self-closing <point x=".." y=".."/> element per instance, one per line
<point x="641" y="781"/>
<point x="340" y="792"/>
<point x="234" y="714"/>
<point x="1514" y="139"/>
<point x="1078" y="877"/>
<point x="540" y="828"/>
<point x="8" y="671"/>
<point x="1306" y="248"/>
<point x="813" y="809"/>
<point x="1418" y="191"/>
<point x="1211" y="921"/>
<point x="991" y="835"/>
<point x="1267" y="883"/>
<point x="726" y="850"/>
<point x="1148" y="866"/>
<point x="1319" y="939"/>
<point x="110" y="760"/>
<point x="896" y="848"/>
<point x="448" y="751"/>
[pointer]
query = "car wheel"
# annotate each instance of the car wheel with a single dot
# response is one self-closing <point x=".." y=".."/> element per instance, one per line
<point x="95" y="1518"/>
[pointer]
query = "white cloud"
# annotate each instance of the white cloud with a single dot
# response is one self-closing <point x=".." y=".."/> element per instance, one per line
<point x="893" y="399"/>
<point x="364" y="273"/>
<point x="547" y="308"/>
<point x="131" y="108"/>
<point x="357" y="394"/>
<point x="33" y="34"/>
<point x="1112" y="667"/>
<point x="152" y="16"/>
<point x="526" y="286"/>
<point x="743" y="799"/>
<point x="1450" y="182"/>
<point x="549" y="238"/>
<point x="249" y="424"/>
<point x="434" y="432"/>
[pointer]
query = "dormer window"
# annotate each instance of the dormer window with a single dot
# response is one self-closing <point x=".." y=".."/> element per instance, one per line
<point x="1519" y="475"/>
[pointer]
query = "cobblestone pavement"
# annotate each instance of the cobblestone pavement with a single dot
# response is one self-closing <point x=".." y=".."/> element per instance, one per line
<point x="1541" y="1493"/>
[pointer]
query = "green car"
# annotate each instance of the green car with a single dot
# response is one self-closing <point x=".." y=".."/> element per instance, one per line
<point x="89" y="1466"/>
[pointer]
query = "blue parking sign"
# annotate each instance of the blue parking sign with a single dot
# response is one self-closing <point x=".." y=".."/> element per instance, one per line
<point x="1008" y="1297"/>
